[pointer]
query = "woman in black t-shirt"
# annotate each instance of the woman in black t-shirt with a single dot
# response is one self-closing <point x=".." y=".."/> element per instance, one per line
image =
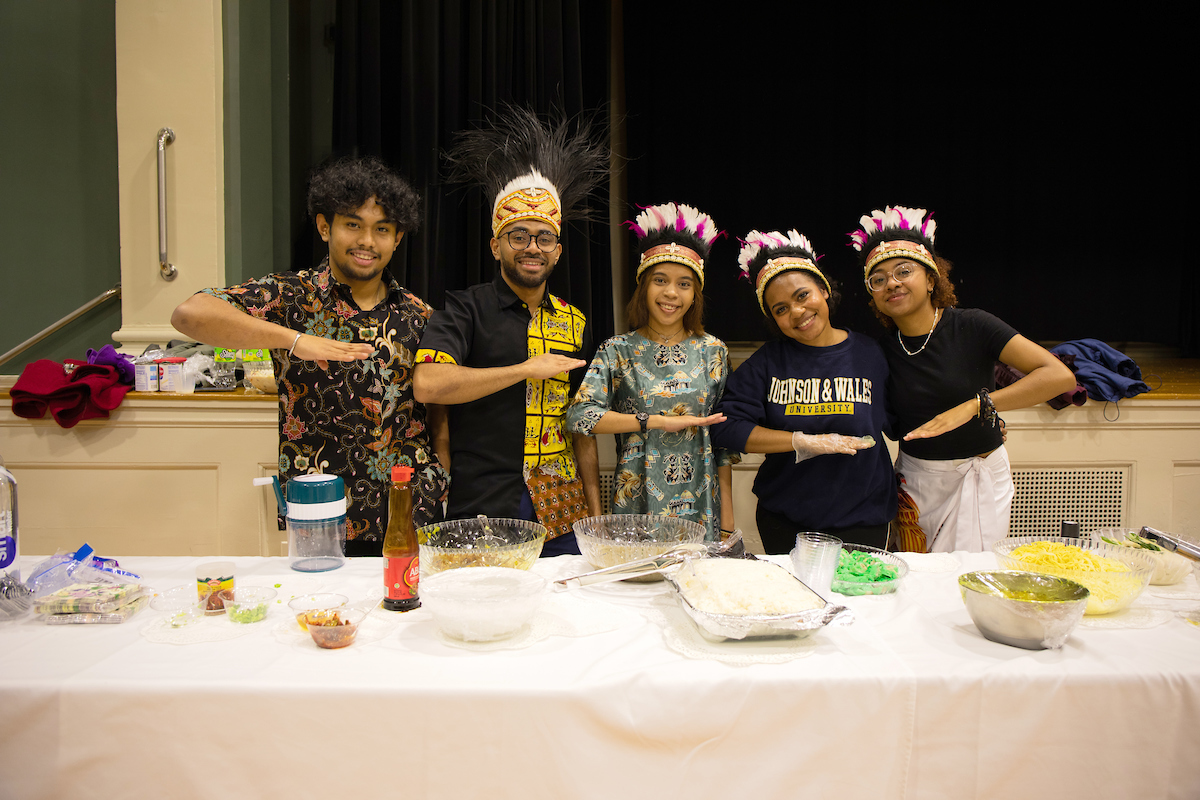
<point x="942" y="384"/>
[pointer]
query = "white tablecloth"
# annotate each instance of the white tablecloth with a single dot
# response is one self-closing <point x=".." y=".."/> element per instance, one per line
<point x="908" y="701"/>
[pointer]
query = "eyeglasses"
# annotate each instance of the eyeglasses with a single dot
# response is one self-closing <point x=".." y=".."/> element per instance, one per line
<point x="879" y="280"/>
<point x="519" y="240"/>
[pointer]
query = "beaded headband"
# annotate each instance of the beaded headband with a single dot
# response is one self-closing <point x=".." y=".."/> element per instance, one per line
<point x="899" y="248"/>
<point x="891" y="219"/>
<point x="674" y="232"/>
<point x="673" y="252"/>
<point x="530" y="196"/>
<point x="757" y="242"/>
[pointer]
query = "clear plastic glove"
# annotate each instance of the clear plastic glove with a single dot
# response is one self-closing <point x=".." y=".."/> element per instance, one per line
<point x="810" y="445"/>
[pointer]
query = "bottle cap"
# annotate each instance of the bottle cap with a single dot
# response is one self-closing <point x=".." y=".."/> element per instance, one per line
<point x="402" y="474"/>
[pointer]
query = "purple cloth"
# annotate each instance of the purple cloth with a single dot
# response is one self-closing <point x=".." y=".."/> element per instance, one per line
<point x="109" y="357"/>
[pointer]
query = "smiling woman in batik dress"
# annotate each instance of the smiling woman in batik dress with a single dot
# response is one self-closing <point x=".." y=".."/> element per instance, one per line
<point x="655" y="387"/>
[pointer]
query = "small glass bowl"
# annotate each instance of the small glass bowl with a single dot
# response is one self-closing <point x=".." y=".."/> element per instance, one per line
<point x="246" y="604"/>
<point x="341" y="629"/>
<point x="182" y="605"/>
<point x="316" y="607"/>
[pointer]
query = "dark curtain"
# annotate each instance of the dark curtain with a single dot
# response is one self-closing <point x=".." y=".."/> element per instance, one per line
<point x="1054" y="155"/>
<point x="410" y="74"/>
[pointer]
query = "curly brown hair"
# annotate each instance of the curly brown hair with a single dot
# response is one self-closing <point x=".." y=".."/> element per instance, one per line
<point x="638" y="310"/>
<point x="943" y="295"/>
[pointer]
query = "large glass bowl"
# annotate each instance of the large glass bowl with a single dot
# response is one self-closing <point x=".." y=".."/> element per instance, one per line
<point x="853" y="588"/>
<point x="620" y="538"/>
<point x="481" y="605"/>
<point x="479" y="542"/>
<point x="1110" y="591"/>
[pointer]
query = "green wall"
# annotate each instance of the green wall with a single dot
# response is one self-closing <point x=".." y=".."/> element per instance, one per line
<point x="58" y="172"/>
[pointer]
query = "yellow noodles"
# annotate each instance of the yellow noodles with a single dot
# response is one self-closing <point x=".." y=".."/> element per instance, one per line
<point x="1110" y="581"/>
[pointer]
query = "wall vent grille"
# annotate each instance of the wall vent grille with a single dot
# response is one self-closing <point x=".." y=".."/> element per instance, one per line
<point x="1095" y="497"/>
<point x="606" y="492"/>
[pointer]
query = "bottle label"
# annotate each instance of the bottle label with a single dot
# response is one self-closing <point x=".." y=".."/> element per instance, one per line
<point x="400" y="577"/>
<point x="8" y="551"/>
<point x="224" y="355"/>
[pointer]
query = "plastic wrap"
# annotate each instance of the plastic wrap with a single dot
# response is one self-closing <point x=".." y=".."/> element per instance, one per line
<point x="811" y="445"/>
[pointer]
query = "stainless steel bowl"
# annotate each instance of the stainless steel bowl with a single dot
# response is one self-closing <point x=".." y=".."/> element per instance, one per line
<point x="1023" y="609"/>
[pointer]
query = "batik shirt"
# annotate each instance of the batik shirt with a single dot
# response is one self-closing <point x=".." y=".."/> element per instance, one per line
<point x="674" y="474"/>
<point x="359" y="419"/>
<point x="498" y="441"/>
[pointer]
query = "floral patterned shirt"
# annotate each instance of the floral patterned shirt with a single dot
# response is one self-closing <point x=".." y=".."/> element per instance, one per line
<point x="674" y="474"/>
<point x="358" y="419"/>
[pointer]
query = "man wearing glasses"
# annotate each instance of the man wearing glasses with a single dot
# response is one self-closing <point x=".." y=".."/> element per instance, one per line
<point x="500" y="356"/>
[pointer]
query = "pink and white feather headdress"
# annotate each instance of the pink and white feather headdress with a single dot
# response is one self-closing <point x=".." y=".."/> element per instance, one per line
<point x="757" y="242"/>
<point x="879" y="224"/>
<point x="674" y="232"/>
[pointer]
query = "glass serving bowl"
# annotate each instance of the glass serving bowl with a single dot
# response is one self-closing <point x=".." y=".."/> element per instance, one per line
<point x="1023" y="609"/>
<point x="620" y="538"/>
<point x="853" y="588"/>
<point x="479" y="542"/>
<point x="1110" y="591"/>
<point x="246" y="604"/>
<point x="316" y="607"/>
<point x="338" y="628"/>
<point x="484" y="604"/>
<point x="182" y="604"/>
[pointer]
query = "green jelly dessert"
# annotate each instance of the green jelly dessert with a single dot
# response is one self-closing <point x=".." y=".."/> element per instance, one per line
<point x="862" y="573"/>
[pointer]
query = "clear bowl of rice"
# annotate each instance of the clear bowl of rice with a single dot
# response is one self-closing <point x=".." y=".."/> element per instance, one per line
<point x="620" y="538"/>
<point x="1115" y="576"/>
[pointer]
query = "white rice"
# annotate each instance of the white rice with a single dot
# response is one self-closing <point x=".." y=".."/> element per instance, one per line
<point x="742" y="587"/>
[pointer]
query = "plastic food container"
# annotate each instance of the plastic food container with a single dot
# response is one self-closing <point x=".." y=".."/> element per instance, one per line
<point x="181" y="604"/>
<point x="1110" y="591"/>
<point x="316" y="607"/>
<point x="484" y="604"/>
<point x="338" y="628"/>
<point x="479" y="542"/>
<point x="854" y="588"/>
<point x="614" y="539"/>
<point x="247" y="604"/>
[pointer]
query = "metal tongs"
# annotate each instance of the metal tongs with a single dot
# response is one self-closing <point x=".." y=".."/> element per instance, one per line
<point x="733" y="547"/>
<point x="1169" y="541"/>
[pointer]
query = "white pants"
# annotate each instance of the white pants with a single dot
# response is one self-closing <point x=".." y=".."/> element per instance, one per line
<point x="965" y="503"/>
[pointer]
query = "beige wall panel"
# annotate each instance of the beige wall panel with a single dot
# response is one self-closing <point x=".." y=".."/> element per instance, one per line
<point x="169" y="74"/>
<point x="154" y="510"/>
<point x="1185" y="508"/>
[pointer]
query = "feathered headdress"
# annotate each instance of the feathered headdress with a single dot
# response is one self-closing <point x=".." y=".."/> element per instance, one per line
<point x="893" y="232"/>
<point x="532" y="169"/>
<point x="677" y="233"/>
<point x="774" y="253"/>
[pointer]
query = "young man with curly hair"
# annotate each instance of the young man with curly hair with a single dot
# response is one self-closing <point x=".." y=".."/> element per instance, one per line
<point x="342" y="337"/>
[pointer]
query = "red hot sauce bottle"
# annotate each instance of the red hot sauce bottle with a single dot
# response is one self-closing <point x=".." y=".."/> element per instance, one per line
<point x="401" y="570"/>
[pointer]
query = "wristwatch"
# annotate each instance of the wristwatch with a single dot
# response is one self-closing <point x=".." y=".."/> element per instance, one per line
<point x="642" y="417"/>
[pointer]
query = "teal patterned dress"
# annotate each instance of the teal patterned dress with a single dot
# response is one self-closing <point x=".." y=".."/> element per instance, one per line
<point x="674" y="474"/>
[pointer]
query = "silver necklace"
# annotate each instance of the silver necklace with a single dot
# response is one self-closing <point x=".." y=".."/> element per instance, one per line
<point x="936" y="314"/>
<point x="666" y="339"/>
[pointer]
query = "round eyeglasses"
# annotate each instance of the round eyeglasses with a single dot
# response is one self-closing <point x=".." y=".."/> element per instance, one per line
<point x="879" y="280"/>
<point x="520" y="238"/>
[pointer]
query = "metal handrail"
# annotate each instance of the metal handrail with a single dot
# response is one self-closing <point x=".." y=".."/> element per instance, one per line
<point x="79" y="312"/>
<point x="165" y="268"/>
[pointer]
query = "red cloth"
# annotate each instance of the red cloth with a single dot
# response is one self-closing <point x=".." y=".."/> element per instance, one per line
<point x="90" y="391"/>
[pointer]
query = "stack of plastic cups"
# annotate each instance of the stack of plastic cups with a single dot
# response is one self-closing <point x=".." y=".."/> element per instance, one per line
<point x="815" y="560"/>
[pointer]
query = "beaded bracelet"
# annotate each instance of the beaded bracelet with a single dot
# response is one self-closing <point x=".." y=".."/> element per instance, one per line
<point x="987" y="410"/>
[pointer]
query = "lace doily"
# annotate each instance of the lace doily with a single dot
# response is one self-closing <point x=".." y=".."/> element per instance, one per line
<point x="560" y="615"/>
<point x="1129" y="618"/>
<point x="200" y="629"/>
<point x="930" y="562"/>
<point x="1187" y="589"/>
<point x="681" y="635"/>
<point x="375" y="627"/>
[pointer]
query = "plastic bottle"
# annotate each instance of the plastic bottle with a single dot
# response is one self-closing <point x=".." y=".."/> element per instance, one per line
<point x="401" y="569"/>
<point x="9" y="544"/>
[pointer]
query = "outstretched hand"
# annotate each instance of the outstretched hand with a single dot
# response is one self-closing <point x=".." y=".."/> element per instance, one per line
<point x="810" y="445"/>
<point x="322" y="351"/>
<point x="547" y="365"/>
<point x="945" y="421"/>
<point x="674" y="424"/>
